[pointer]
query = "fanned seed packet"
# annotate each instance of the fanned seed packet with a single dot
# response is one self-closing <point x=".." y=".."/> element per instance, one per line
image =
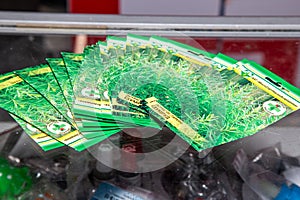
<point x="92" y="71"/>
<point x="20" y="99"/>
<point x="230" y="106"/>
<point x="42" y="139"/>
<point x="60" y="73"/>
<point x="43" y="81"/>
<point x="79" y="100"/>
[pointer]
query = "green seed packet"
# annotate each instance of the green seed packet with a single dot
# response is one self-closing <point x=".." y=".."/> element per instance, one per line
<point x="116" y="47"/>
<point x="20" y="99"/>
<point x="137" y="54"/>
<point x="60" y="73"/>
<point x="72" y="63"/>
<point x="87" y="98"/>
<point x="43" y="80"/>
<point x="229" y="105"/>
<point x="104" y="58"/>
<point x="272" y="84"/>
<point x="114" y="52"/>
<point x="43" y="140"/>
<point x="58" y="67"/>
<point x="83" y="76"/>
<point x="91" y="70"/>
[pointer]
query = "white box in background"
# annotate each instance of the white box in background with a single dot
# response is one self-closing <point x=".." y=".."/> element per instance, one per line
<point x="262" y="8"/>
<point x="170" y="7"/>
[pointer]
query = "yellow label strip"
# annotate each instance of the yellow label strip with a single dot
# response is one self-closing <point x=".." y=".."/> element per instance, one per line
<point x="93" y="101"/>
<point x="40" y="71"/>
<point x="262" y="75"/>
<point x="193" y="60"/>
<point x="77" y="58"/>
<point x="131" y="99"/>
<point x="6" y="76"/>
<point x="174" y="121"/>
<point x="10" y="82"/>
<point x="263" y="85"/>
<point x="61" y="63"/>
<point x="70" y="137"/>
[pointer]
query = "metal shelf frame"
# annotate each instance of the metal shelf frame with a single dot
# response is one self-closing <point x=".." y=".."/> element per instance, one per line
<point x="91" y="24"/>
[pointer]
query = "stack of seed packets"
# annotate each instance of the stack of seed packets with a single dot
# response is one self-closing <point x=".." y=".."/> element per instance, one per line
<point x="79" y="100"/>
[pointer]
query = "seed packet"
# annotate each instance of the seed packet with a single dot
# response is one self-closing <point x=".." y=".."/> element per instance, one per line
<point x="91" y="70"/>
<point x="232" y="110"/>
<point x="137" y="54"/>
<point x="270" y="83"/>
<point x="72" y="63"/>
<point x="87" y="102"/>
<point x="102" y="56"/>
<point x="60" y="73"/>
<point x="43" y="140"/>
<point x="85" y="93"/>
<point x="114" y="52"/>
<point x="20" y="99"/>
<point x="206" y="99"/>
<point x="43" y="81"/>
<point x="86" y="96"/>
<point x="57" y="66"/>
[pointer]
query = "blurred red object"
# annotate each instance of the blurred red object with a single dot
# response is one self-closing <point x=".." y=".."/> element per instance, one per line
<point x="94" y="6"/>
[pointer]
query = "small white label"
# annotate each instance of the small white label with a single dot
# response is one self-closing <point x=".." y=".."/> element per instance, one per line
<point x="274" y="108"/>
<point x="70" y="115"/>
<point x="92" y="93"/>
<point x="32" y="129"/>
<point x="59" y="128"/>
<point x="106" y="95"/>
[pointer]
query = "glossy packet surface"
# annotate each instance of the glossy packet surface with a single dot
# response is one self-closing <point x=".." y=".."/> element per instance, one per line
<point x="246" y="107"/>
<point x="20" y="99"/>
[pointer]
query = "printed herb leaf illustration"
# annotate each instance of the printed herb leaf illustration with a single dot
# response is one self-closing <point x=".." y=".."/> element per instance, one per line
<point x="20" y="99"/>
<point x="43" y="80"/>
